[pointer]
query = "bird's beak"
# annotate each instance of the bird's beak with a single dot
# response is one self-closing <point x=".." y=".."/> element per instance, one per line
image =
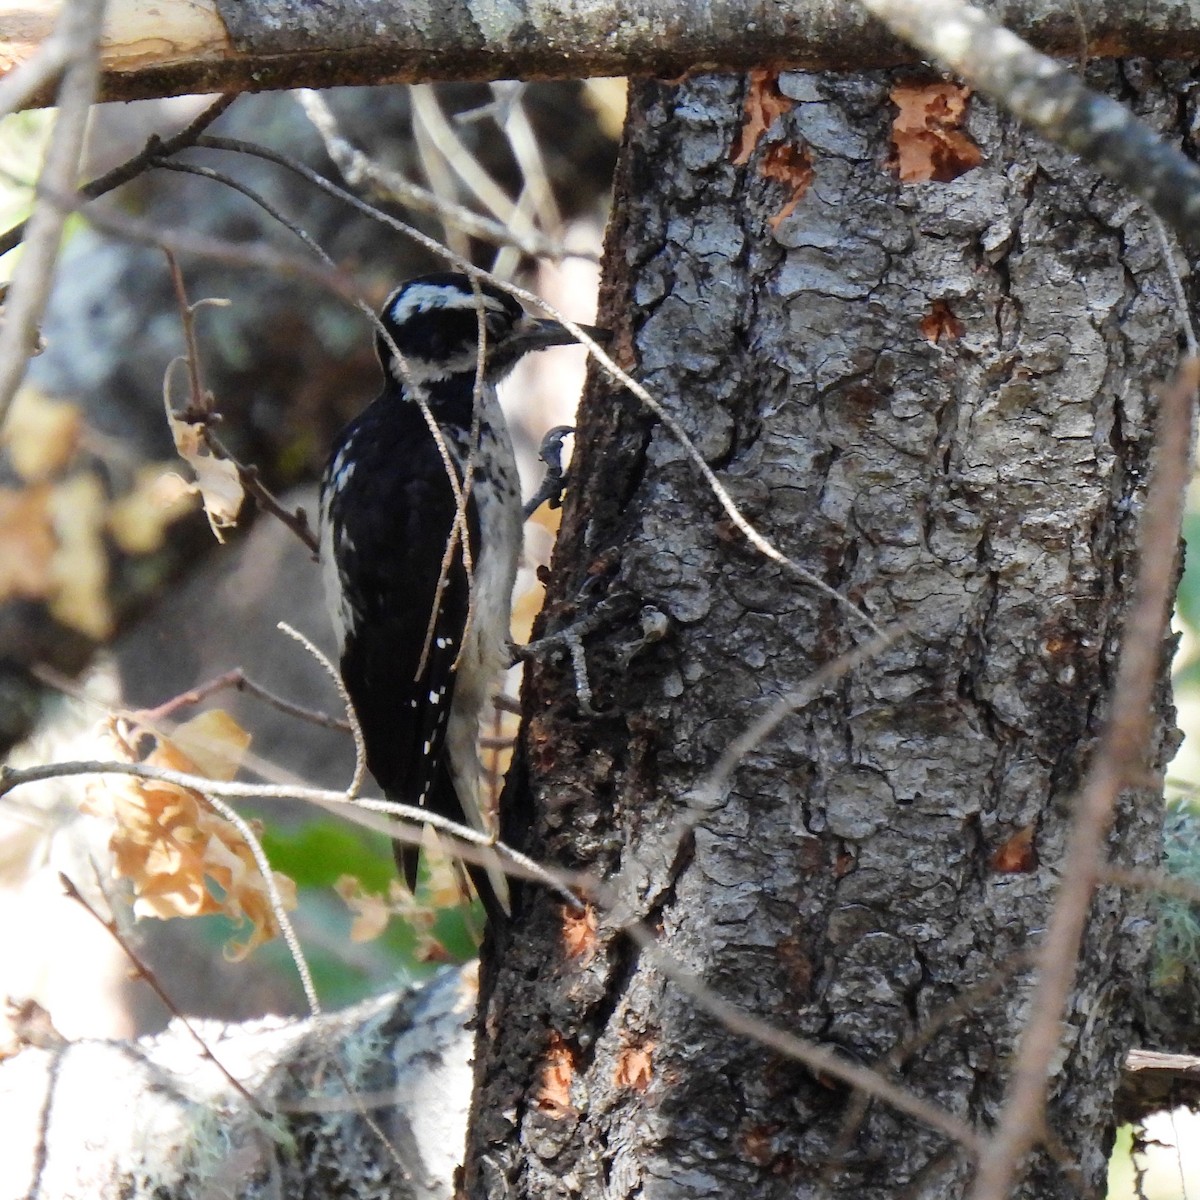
<point x="534" y="334"/>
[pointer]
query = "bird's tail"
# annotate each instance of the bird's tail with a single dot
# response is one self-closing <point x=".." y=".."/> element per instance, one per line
<point x="459" y="799"/>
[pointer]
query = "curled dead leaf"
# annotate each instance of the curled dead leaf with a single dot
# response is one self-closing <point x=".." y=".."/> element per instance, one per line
<point x="371" y="909"/>
<point x="217" y="480"/>
<point x="183" y="858"/>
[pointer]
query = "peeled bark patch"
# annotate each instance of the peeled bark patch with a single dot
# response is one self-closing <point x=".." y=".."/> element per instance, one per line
<point x="928" y="142"/>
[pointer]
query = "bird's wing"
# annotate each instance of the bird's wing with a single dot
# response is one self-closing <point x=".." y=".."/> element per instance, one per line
<point x="388" y="533"/>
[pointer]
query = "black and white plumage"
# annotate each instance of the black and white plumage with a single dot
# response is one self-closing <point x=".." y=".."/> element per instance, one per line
<point x="417" y="674"/>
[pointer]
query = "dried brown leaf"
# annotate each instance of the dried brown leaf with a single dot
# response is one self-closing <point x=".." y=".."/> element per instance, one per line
<point x="41" y="435"/>
<point x="182" y="858"/>
<point x="217" y="479"/>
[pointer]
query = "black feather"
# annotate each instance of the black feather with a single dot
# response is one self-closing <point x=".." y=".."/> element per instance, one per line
<point x="390" y="530"/>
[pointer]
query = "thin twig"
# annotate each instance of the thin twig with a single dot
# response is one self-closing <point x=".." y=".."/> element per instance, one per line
<point x="469" y="844"/>
<point x="251" y="480"/>
<point x="148" y="977"/>
<point x="199" y="407"/>
<point x="959" y="1007"/>
<point x="711" y="790"/>
<point x="511" y="116"/>
<point x="1183" y="312"/>
<point x="244" y="255"/>
<point x="819" y="1059"/>
<point x="361" y="171"/>
<point x="151" y="154"/>
<point x="286" y="930"/>
<point x="238" y="679"/>
<point x="1120" y="755"/>
<point x="427" y="113"/>
<point x="276" y="214"/>
<point x="360" y="744"/>
<point x="79" y="24"/>
<point x="436" y="168"/>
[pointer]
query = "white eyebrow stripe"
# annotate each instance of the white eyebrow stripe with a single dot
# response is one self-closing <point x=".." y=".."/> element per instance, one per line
<point x="426" y="296"/>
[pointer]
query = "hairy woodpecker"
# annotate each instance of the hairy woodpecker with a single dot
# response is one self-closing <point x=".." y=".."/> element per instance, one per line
<point x="423" y="630"/>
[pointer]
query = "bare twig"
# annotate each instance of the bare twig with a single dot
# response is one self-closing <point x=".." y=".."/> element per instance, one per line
<point x="429" y="118"/>
<point x="958" y="1008"/>
<point x="510" y="115"/>
<point x="361" y="171"/>
<point x="711" y="791"/>
<point x="79" y="26"/>
<point x="199" y="406"/>
<point x="245" y="255"/>
<point x="360" y="745"/>
<point x="286" y="929"/>
<point x="469" y="844"/>
<point x="238" y="679"/>
<point x="819" y="1059"/>
<point x="155" y="149"/>
<point x="148" y="977"/>
<point x="1120" y="757"/>
<point x="1183" y="312"/>
<point x="200" y="409"/>
<point x="251" y="480"/>
<point x="162" y="163"/>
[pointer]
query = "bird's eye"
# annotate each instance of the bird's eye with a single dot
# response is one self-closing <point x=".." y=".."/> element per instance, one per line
<point x="499" y="326"/>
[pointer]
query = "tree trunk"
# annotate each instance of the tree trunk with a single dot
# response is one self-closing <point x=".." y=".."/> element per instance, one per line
<point x="935" y="396"/>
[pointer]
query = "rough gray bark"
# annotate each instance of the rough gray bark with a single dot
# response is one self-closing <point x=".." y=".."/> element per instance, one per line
<point x="155" y="1119"/>
<point x="249" y="45"/>
<point x="937" y="397"/>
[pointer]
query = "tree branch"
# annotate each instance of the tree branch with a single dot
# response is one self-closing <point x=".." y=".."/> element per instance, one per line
<point x="79" y="30"/>
<point x="252" y="45"/>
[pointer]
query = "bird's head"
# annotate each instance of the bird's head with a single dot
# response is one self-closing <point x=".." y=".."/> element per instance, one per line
<point x="434" y="322"/>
